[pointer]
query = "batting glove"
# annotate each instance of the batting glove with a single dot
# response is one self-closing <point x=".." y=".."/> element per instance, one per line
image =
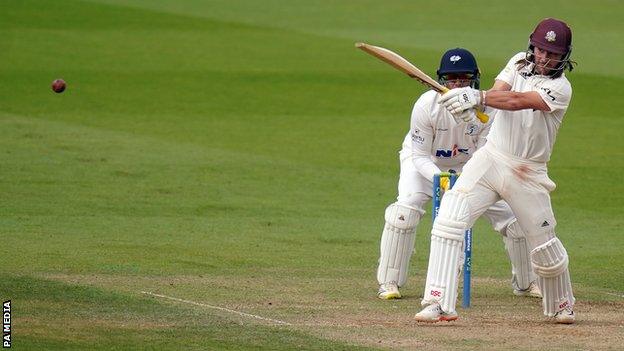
<point x="461" y="99"/>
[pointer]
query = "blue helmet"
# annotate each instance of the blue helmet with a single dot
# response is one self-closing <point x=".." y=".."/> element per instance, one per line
<point x="456" y="61"/>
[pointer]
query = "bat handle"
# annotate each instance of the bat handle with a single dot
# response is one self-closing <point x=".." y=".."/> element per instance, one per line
<point x="482" y="116"/>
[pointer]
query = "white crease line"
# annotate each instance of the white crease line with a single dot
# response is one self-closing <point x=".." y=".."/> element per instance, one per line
<point x="618" y="295"/>
<point x="217" y="308"/>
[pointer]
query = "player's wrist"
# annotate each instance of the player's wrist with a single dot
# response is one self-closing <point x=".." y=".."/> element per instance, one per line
<point x="482" y="96"/>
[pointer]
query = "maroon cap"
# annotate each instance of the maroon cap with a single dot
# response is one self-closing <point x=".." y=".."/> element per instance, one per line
<point x="552" y="35"/>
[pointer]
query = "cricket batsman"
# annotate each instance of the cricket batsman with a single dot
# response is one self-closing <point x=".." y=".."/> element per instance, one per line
<point x="439" y="142"/>
<point x="530" y="97"/>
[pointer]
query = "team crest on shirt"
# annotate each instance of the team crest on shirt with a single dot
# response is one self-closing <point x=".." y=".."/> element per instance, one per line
<point x="551" y="36"/>
<point x="472" y="129"/>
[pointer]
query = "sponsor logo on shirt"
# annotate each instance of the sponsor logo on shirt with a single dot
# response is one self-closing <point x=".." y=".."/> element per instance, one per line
<point x="549" y="93"/>
<point x="417" y="138"/>
<point x="441" y="153"/>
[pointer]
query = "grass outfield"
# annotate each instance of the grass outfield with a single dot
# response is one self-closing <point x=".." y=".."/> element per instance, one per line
<point x="239" y="155"/>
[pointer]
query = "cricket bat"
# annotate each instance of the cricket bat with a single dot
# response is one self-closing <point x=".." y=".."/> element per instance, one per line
<point x="398" y="62"/>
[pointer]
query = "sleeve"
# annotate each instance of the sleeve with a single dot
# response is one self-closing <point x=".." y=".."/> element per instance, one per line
<point x="556" y="93"/>
<point x="508" y="73"/>
<point x="426" y="167"/>
<point x="421" y="132"/>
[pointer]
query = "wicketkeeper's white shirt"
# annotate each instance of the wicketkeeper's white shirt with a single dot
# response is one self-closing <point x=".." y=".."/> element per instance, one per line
<point x="434" y="134"/>
<point x="530" y="134"/>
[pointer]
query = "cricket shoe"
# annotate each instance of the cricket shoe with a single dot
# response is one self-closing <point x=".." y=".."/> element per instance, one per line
<point x="433" y="314"/>
<point x="564" y="316"/>
<point x="532" y="291"/>
<point x="389" y="291"/>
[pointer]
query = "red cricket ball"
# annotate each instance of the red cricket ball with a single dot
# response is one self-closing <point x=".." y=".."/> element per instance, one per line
<point x="59" y="86"/>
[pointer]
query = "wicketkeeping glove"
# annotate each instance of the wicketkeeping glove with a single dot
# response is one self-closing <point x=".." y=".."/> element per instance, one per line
<point x="461" y="99"/>
<point x="467" y="116"/>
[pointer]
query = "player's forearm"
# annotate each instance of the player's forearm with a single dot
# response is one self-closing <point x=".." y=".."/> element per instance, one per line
<point x="513" y="101"/>
<point x="425" y="166"/>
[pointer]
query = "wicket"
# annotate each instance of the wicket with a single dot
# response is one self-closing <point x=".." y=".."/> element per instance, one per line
<point x="437" y="198"/>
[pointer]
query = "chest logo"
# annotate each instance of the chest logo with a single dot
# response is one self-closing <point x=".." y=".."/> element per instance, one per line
<point x="442" y="153"/>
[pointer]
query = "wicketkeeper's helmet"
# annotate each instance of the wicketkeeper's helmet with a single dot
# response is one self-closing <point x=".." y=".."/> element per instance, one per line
<point x="459" y="61"/>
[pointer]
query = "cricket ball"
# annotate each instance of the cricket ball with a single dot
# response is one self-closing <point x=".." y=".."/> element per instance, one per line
<point x="59" y="86"/>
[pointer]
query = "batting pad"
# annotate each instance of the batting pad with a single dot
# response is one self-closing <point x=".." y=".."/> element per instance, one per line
<point x="447" y="237"/>
<point x="518" y="252"/>
<point x="550" y="262"/>
<point x="397" y="243"/>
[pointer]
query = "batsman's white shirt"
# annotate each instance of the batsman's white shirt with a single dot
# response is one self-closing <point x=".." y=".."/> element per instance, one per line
<point x="530" y="134"/>
<point x="513" y="163"/>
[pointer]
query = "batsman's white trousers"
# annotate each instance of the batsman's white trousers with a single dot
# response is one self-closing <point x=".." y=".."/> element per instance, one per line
<point x="490" y="176"/>
<point x="415" y="191"/>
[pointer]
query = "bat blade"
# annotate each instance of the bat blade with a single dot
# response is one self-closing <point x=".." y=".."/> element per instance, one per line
<point x="398" y="62"/>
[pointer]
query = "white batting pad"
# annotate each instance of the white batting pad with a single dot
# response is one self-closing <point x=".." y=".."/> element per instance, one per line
<point x="447" y="237"/>
<point x="550" y="262"/>
<point x="518" y="252"/>
<point x="454" y="206"/>
<point x="397" y="243"/>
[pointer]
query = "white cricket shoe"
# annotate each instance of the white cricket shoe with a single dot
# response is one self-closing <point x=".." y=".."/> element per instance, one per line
<point x="532" y="291"/>
<point x="565" y="316"/>
<point x="389" y="291"/>
<point x="433" y="314"/>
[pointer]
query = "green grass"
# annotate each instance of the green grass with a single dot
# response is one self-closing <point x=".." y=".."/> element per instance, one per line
<point x="248" y="144"/>
<point x="81" y="318"/>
